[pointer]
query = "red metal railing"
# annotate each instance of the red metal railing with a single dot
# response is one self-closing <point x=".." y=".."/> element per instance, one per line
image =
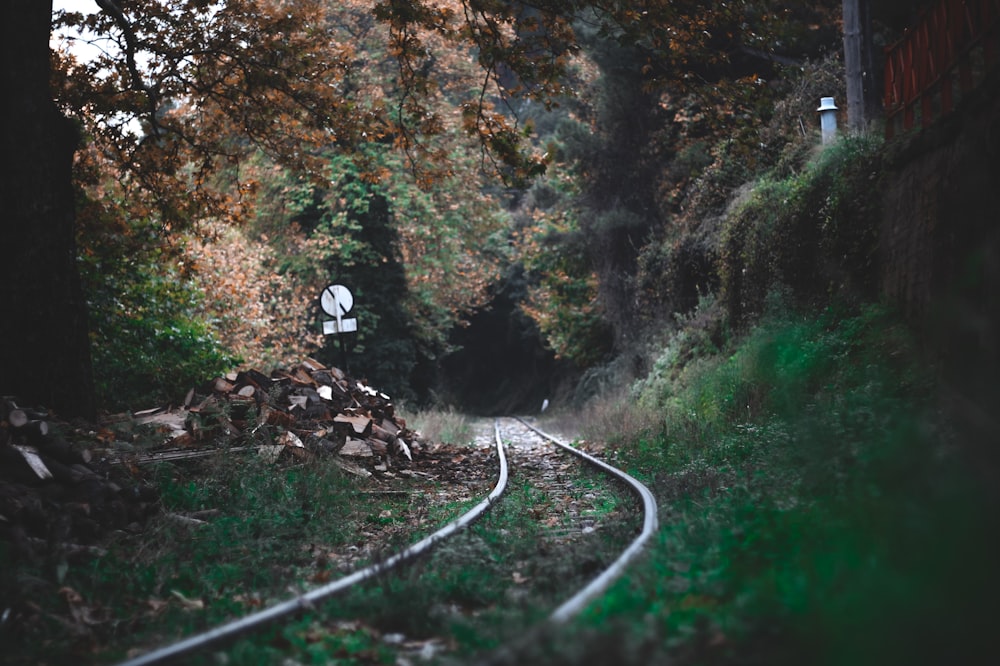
<point x="950" y="44"/>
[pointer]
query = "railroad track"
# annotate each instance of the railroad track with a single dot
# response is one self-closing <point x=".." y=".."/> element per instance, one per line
<point x="599" y="584"/>
<point x="541" y="461"/>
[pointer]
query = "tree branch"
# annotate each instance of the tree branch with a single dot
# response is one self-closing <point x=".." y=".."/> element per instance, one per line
<point x="112" y="9"/>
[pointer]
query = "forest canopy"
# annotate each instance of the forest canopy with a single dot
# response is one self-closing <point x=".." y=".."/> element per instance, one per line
<point x="411" y="137"/>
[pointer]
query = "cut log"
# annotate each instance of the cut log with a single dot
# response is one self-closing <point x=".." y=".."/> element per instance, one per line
<point x="71" y="475"/>
<point x="63" y="451"/>
<point x="290" y="439"/>
<point x="223" y="385"/>
<point x="324" y="445"/>
<point x="381" y="434"/>
<point x="404" y="448"/>
<point x="34" y="461"/>
<point x="312" y="365"/>
<point x="17" y="418"/>
<point x="390" y="426"/>
<point x="357" y="448"/>
<point x="301" y="377"/>
<point x="34" y="431"/>
<point x="361" y="424"/>
<point x="258" y="379"/>
<point x="165" y="420"/>
<point x="276" y="417"/>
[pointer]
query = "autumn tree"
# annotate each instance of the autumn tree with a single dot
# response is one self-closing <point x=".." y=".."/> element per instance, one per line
<point x="250" y="70"/>
<point x="184" y="89"/>
<point x="208" y="82"/>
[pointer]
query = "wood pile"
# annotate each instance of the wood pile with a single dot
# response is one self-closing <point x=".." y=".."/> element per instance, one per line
<point x="299" y="413"/>
<point x="62" y="488"/>
<point x="54" y="497"/>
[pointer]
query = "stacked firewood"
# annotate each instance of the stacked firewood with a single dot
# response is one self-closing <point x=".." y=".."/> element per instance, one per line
<point x="306" y="411"/>
<point x="67" y="486"/>
<point x="53" y="494"/>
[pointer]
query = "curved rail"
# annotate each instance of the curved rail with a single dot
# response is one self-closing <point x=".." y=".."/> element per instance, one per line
<point x="307" y="600"/>
<point x="598" y="585"/>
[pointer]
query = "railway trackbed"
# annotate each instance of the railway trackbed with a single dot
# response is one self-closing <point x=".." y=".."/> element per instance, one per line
<point x="556" y="529"/>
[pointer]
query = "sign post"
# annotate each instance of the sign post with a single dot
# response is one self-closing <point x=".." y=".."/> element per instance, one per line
<point x="337" y="301"/>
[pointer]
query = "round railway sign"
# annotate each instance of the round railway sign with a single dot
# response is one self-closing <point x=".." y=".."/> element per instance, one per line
<point x="337" y="301"/>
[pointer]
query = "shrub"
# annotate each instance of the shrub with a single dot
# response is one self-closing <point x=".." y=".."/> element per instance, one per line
<point x="148" y="342"/>
<point x="815" y="233"/>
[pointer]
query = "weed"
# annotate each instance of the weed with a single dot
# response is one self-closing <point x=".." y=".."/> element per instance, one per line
<point x="810" y="233"/>
<point x="810" y="511"/>
<point x="442" y="425"/>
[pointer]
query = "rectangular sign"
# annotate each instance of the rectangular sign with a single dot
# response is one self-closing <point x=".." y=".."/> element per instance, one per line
<point x="346" y="326"/>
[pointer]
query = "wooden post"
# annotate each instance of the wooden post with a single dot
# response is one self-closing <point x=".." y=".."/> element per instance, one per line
<point x="852" y="65"/>
<point x="859" y="63"/>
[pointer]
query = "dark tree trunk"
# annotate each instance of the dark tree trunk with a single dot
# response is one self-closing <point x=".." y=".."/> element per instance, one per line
<point x="44" y="347"/>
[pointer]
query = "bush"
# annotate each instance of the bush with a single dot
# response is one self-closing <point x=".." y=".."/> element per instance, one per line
<point x="814" y="233"/>
<point x="148" y="344"/>
<point x="819" y="510"/>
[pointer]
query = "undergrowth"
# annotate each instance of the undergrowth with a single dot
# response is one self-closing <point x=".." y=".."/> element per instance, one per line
<point x="812" y="232"/>
<point x="443" y="425"/>
<point x="815" y="506"/>
<point x="266" y="532"/>
<point x="814" y="509"/>
<point x="491" y="584"/>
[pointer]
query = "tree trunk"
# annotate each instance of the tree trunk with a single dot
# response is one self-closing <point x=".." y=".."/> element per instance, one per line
<point x="44" y="346"/>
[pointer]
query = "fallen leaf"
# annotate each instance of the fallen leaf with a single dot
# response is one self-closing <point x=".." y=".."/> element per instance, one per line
<point x="157" y="606"/>
<point x="270" y="452"/>
<point x="290" y="439"/>
<point x="82" y="613"/>
<point x="186" y="603"/>
<point x="249" y="600"/>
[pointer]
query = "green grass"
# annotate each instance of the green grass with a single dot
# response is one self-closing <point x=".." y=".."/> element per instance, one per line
<point x="467" y="591"/>
<point x="814" y="509"/>
<point x="272" y="535"/>
<point x="442" y="425"/>
<point x="475" y="574"/>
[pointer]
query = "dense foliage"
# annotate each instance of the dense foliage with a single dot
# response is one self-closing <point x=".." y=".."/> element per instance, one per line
<point x="813" y="233"/>
<point x="349" y="140"/>
<point x="279" y="117"/>
<point x="653" y="194"/>
<point x="814" y="498"/>
<point x="149" y="346"/>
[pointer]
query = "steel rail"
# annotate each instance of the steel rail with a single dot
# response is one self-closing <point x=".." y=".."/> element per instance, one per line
<point x="308" y="600"/>
<point x="598" y="585"/>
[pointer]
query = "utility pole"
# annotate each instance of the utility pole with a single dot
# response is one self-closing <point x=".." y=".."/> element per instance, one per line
<point x="859" y="65"/>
